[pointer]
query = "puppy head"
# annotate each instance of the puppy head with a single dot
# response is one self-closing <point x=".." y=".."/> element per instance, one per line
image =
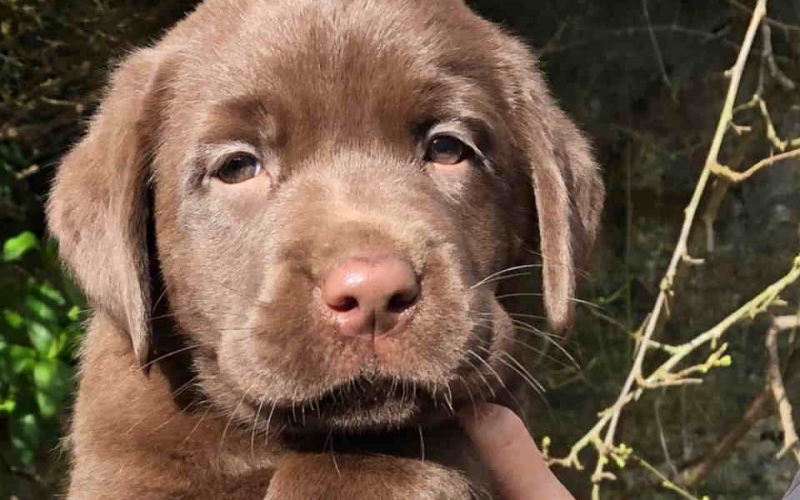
<point x="334" y="186"/>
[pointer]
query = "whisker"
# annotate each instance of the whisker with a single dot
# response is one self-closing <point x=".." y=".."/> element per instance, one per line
<point x="510" y="394"/>
<point x="489" y="315"/>
<point x="233" y="414"/>
<point x="269" y="420"/>
<point x="205" y="312"/>
<point x="579" y="272"/>
<point x="179" y="390"/>
<point x="172" y="417"/>
<point x="547" y="337"/>
<point x="491" y="369"/>
<point x="175" y="393"/>
<point x="197" y="425"/>
<point x="503" y="271"/>
<point x="333" y="456"/>
<point x="255" y="426"/>
<point x="500" y="278"/>
<point x="572" y="299"/>
<point x="531" y="316"/>
<point x="520" y="370"/>
<point x="540" y="352"/>
<point x="480" y="374"/>
<point x="448" y="397"/>
<point x="543" y="353"/>
<point x="469" y="393"/>
<point x="163" y="357"/>
<point x="421" y="443"/>
<point x="158" y="301"/>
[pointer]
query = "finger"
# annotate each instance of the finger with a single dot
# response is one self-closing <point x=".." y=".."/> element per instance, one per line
<point x="511" y="455"/>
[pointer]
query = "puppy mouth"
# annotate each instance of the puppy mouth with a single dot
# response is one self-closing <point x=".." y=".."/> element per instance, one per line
<point x="366" y="404"/>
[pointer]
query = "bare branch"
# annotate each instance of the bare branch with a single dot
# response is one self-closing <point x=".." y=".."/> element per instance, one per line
<point x="657" y="50"/>
<point x="681" y="248"/>
<point x="769" y="58"/>
<point x="774" y="22"/>
<point x="724" y="446"/>
<point x="664" y="374"/>
<point x="790" y="439"/>
<point x="736" y="177"/>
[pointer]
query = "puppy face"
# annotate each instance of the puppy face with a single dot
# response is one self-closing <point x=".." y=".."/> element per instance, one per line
<point x="334" y="185"/>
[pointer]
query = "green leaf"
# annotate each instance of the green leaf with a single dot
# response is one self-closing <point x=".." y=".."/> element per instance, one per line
<point x="14" y="319"/>
<point x="48" y="406"/>
<point x="22" y="358"/>
<point x="52" y="375"/>
<point x="40" y="337"/>
<point x="15" y="247"/>
<point x="43" y="311"/>
<point x="8" y="406"/>
<point x="25" y="437"/>
<point x="47" y="290"/>
<point x="59" y="341"/>
<point x="53" y="382"/>
<point x="74" y="313"/>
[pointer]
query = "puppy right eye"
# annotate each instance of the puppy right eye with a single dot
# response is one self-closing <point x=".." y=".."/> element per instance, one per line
<point x="238" y="168"/>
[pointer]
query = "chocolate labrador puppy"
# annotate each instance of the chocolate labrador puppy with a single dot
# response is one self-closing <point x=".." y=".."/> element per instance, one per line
<point x="297" y="223"/>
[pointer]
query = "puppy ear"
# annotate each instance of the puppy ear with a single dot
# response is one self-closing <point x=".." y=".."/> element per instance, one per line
<point x="567" y="187"/>
<point x="98" y="205"/>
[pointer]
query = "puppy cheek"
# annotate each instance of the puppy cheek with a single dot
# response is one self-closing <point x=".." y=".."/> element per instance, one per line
<point x="235" y="359"/>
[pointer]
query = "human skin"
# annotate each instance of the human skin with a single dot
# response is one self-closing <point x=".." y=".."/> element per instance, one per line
<point x="511" y="455"/>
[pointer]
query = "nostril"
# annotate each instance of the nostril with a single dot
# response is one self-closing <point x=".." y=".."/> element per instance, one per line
<point x="370" y="295"/>
<point x="403" y="300"/>
<point x="344" y="304"/>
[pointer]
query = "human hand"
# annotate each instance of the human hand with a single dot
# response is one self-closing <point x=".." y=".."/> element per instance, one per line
<point x="511" y="455"/>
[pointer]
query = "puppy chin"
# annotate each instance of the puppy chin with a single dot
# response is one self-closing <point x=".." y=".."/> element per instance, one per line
<point x="389" y="415"/>
<point x="383" y="406"/>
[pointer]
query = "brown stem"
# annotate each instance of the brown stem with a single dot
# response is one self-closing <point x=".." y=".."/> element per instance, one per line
<point x="756" y="410"/>
<point x="775" y="381"/>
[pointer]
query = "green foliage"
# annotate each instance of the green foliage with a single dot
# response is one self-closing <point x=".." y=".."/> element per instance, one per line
<point x="39" y="312"/>
<point x="37" y="338"/>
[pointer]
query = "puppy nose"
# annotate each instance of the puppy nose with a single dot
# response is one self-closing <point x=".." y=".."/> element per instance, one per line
<point x="371" y="295"/>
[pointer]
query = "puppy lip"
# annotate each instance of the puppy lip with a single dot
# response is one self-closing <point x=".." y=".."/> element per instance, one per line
<point x="363" y="389"/>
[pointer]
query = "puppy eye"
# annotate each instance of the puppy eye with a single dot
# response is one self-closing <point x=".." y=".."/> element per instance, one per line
<point x="238" y="168"/>
<point x="446" y="150"/>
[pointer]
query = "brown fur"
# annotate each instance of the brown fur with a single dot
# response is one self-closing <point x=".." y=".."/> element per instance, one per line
<point x="208" y="370"/>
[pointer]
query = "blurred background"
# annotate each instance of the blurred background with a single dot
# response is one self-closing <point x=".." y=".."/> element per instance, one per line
<point x="646" y="80"/>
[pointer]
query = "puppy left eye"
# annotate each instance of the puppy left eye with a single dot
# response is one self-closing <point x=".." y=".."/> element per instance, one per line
<point x="238" y="168"/>
<point x="446" y="150"/>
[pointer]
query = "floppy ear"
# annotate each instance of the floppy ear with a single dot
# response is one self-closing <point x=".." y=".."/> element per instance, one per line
<point x="98" y="205"/>
<point x="567" y="187"/>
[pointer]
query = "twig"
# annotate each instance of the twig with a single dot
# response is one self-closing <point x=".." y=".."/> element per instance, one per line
<point x="657" y="50"/>
<point x="28" y="172"/>
<point x="691" y="210"/>
<point x="736" y="177"/>
<point x="664" y="373"/>
<point x="769" y="58"/>
<point x="662" y="437"/>
<point x="772" y="135"/>
<point x="774" y="22"/>
<point x="725" y="446"/>
<point x="719" y="190"/>
<point x="790" y="439"/>
<point x="665" y="481"/>
<point x="755" y="306"/>
<point x="705" y="36"/>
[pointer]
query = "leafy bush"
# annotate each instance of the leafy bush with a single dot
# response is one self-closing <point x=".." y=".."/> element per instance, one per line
<point x="39" y="312"/>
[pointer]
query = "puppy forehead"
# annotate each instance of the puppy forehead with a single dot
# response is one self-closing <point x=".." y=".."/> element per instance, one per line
<point x="318" y="52"/>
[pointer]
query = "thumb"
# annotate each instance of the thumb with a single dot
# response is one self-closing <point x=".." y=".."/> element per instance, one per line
<point x="511" y="455"/>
